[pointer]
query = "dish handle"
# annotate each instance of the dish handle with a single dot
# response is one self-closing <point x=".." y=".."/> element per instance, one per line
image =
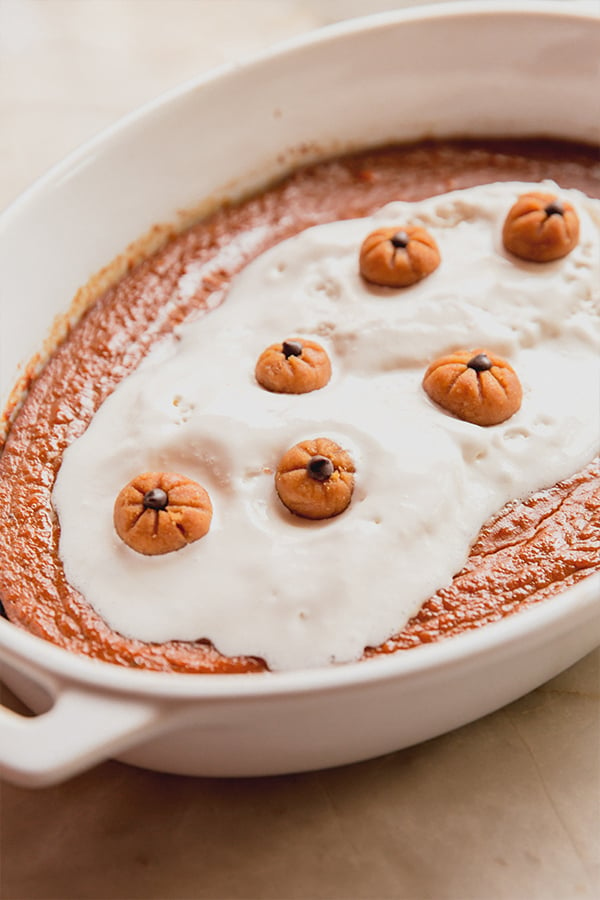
<point x="82" y="726"/>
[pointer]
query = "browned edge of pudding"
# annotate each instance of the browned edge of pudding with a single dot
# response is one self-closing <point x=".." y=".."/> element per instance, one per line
<point x="533" y="549"/>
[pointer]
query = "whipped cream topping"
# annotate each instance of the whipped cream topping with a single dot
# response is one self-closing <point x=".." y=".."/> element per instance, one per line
<point x="264" y="582"/>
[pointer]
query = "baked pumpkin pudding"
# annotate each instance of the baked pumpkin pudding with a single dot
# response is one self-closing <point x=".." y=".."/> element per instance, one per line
<point x="350" y="415"/>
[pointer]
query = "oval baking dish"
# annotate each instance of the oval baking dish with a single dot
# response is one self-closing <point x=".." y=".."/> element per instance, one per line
<point x="473" y="69"/>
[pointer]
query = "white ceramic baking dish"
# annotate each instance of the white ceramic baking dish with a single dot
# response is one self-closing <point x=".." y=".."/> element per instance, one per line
<point x="471" y="68"/>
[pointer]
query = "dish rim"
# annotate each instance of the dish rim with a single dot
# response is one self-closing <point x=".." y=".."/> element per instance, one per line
<point x="577" y="9"/>
<point x="504" y="635"/>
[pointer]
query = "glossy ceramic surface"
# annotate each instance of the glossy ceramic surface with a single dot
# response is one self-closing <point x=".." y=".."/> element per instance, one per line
<point x="464" y="69"/>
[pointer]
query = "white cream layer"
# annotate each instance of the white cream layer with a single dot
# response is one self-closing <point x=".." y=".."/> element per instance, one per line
<point x="298" y="593"/>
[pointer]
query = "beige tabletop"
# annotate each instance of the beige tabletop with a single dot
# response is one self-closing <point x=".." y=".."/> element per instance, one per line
<point x="507" y="808"/>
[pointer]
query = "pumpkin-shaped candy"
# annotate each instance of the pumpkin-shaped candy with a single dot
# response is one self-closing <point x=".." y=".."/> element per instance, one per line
<point x="295" y="366"/>
<point x="540" y="227"/>
<point x="158" y="512"/>
<point x="474" y="385"/>
<point x="315" y="479"/>
<point x="398" y="257"/>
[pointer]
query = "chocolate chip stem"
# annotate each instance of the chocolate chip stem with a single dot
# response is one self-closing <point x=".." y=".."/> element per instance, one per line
<point x="291" y="348"/>
<point x="481" y="363"/>
<point x="155" y="499"/>
<point x="320" y="468"/>
<point x="400" y="240"/>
